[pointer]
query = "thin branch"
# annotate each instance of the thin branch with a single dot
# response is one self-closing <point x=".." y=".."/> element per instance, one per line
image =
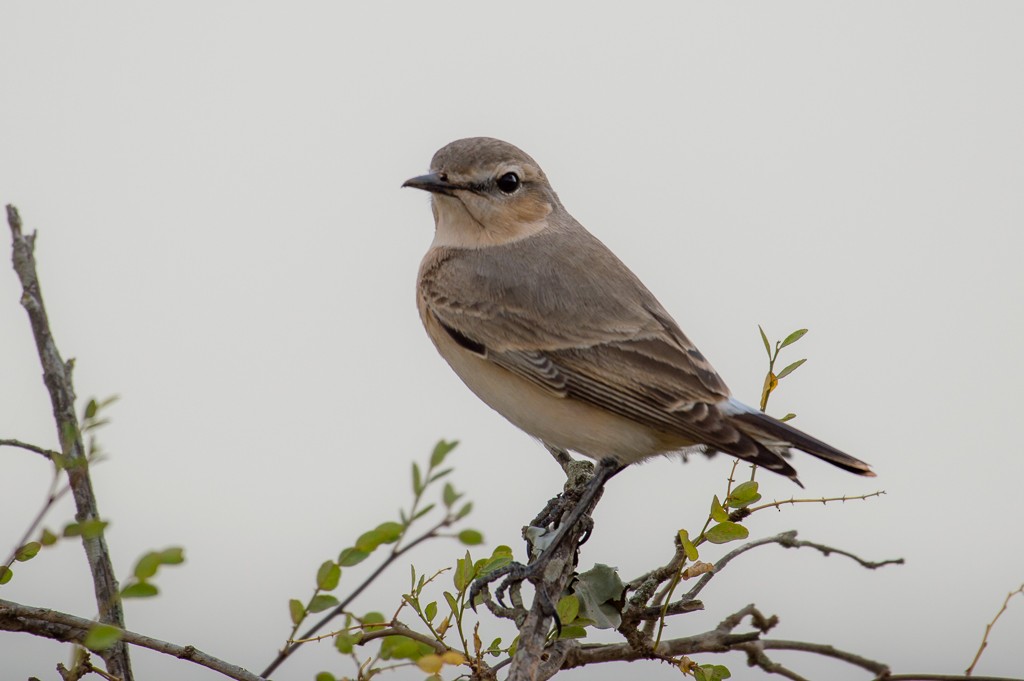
<point x="828" y="550"/>
<point x="398" y="629"/>
<point x="988" y="629"/>
<point x="785" y="539"/>
<point x="395" y="554"/>
<point x="57" y="377"/>
<point x="52" y="496"/>
<point x="827" y="651"/>
<point x="819" y="500"/>
<point x="48" y="453"/>
<point x="64" y="627"/>
<point x="757" y="658"/>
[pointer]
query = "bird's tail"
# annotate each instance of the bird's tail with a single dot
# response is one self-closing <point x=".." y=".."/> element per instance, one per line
<point x="776" y="435"/>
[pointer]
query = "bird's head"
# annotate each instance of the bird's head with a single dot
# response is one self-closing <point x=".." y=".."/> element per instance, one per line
<point x="485" y="193"/>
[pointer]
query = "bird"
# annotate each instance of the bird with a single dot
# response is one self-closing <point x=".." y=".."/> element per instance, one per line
<point x="550" y="329"/>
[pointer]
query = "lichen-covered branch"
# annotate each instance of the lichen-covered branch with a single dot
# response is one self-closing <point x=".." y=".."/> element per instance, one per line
<point x="57" y="377"/>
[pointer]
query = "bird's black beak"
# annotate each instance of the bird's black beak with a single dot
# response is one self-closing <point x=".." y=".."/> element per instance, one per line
<point x="435" y="183"/>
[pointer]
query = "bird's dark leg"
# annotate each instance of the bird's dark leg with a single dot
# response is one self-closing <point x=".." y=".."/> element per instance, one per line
<point x="517" y="572"/>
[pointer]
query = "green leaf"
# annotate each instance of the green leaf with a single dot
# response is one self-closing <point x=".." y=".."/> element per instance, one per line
<point x="373" y="618"/>
<point x="463" y="573"/>
<point x="788" y="417"/>
<point x="495" y="647"/>
<point x="27" y="552"/>
<point x="441" y="450"/>
<point x="385" y="533"/>
<point x="328" y="575"/>
<point x="351" y="556"/>
<point x="139" y="590"/>
<point x="726" y="532"/>
<point x="101" y="637"/>
<point x="449" y="496"/>
<point x="790" y="369"/>
<point x="403" y="648"/>
<point x="573" y="632"/>
<point x="5" y="574"/>
<point x="793" y="337"/>
<point x="464" y="511"/>
<point x="744" y="495"/>
<point x="493" y="563"/>
<point x="346" y="641"/>
<point x="172" y="556"/>
<point x="453" y="602"/>
<point x="568" y="607"/>
<point x="430" y="611"/>
<point x="147" y="566"/>
<point x="322" y="602"/>
<point x="296" y="610"/>
<point x="417" y="479"/>
<point x="688" y="546"/>
<point x="91" y="529"/>
<point x="471" y="537"/>
<point x="767" y="345"/>
<point x="324" y="676"/>
<point x="423" y="511"/>
<point x="391" y="532"/>
<point x="438" y="475"/>
<point x="47" y="538"/>
<point x="599" y="591"/>
<point x="71" y="530"/>
<point x="711" y="672"/>
<point x="90" y="409"/>
<point x="718" y="513"/>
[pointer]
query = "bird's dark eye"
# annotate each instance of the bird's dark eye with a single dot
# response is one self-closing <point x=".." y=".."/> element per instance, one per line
<point x="508" y="183"/>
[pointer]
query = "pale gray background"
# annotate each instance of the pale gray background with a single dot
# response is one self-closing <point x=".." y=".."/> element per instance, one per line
<point x="223" y="242"/>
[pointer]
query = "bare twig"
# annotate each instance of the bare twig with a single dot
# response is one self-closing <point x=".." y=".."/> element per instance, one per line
<point x="819" y="500"/>
<point x="48" y="453"/>
<point x="57" y="377"/>
<point x="399" y="629"/>
<point x="988" y="629"/>
<point x="828" y="550"/>
<point x="64" y="627"/>
<point x="827" y="651"/>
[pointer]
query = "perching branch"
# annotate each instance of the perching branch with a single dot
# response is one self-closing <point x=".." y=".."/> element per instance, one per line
<point x="57" y="377"/>
<point x="64" y="627"/>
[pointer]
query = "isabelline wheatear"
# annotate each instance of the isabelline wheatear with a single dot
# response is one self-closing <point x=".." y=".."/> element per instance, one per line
<point x="551" y="330"/>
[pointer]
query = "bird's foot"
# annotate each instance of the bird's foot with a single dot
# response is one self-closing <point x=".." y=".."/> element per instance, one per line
<point x="513" y="574"/>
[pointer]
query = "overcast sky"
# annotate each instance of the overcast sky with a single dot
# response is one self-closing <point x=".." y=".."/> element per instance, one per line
<point x="224" y="244"/>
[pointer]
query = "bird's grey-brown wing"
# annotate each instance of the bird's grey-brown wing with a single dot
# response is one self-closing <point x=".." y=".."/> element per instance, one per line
<point x="577" y="334"/>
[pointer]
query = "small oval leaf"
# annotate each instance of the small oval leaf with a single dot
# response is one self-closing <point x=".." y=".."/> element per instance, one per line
<point x="726" y="532"/>
<point x="351" y="556"/>
<point x="791" y="368"/>
<point x="793" y="337"/>
<point x="296" y="610"/>
<point x="27" y="552"/>
<point x="139" y="590"/>
<point x="101" y="637"/>
<point x="322" y="602"/>
<point x="471" y="537"/>
<point x="328" y="575"/>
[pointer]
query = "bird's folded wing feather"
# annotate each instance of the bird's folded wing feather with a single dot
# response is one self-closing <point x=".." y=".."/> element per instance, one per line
<point x="635" y="363"/>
